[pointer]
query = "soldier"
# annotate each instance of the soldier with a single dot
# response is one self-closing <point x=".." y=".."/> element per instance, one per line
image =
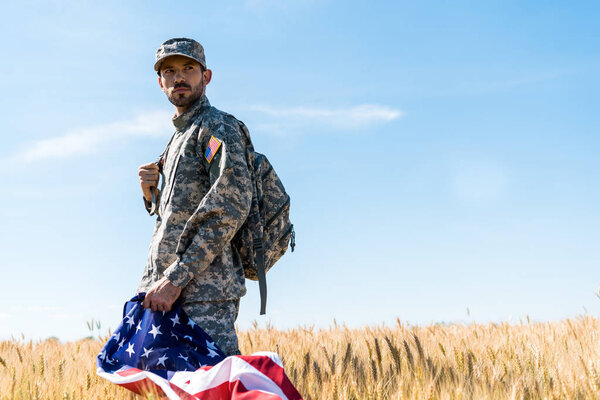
<point x="204" y="199"/>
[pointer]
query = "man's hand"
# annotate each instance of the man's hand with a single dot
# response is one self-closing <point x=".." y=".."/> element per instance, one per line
<point x="148" y="178"/>
<point x="162" y="295"/>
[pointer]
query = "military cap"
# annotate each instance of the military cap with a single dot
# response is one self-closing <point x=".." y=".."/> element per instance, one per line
<point x="180" y="47"/>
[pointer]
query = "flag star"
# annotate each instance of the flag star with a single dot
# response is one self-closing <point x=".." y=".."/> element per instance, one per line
<point x="182" y="357"/>
<point x="117" y="336"/>
<point x="102" y="355"/>
<point x="188" y="337"/>
<point x="147" y="352"/>
<point x="130" y="320"/>
<point x="130" y="349"/>
<point x="161" y="360"/>
<point x="174" y="335"/>
<point x="211" y="345"/>
<point x="191" y="323"/>
<point x="155" y="331"/>
<point x="175" y="320"/>
<point x="212" y="353"/>
<point x="139" y="327"/>
<point x="121" y="343"/>
<point x="108" y="360"/>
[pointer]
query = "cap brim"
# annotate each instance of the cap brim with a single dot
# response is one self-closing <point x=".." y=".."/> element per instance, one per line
<point x="160" y="60"/>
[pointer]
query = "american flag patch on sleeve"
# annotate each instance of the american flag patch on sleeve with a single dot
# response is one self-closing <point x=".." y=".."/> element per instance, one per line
<point x="211" y="150"/>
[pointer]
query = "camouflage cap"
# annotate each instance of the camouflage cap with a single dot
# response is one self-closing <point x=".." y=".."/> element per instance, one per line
<point x="180" y="47"/>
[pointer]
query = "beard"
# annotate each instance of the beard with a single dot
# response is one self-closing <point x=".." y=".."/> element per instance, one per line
<point x="186" y="98"/>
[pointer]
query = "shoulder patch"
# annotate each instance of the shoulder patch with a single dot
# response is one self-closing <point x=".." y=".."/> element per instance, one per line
<point x="213" y="145"/>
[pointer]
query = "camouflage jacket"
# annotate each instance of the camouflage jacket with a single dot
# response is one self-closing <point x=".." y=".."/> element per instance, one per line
<point x="204" y="198"/>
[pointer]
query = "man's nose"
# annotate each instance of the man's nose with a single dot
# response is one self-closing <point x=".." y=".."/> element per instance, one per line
<point x="179" y="76"/>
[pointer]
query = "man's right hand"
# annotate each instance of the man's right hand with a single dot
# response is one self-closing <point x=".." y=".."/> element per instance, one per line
<point x="148" y="178"/>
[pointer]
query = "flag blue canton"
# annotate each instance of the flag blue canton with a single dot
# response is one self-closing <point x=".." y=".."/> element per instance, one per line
<point x="159" y="342"/>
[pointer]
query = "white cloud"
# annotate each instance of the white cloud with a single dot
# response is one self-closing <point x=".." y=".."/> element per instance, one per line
<point x="357" y="117"/>
<point x="91" y="139"/>
<point x="154" y="124"/>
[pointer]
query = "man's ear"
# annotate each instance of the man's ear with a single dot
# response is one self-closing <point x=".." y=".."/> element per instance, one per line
<point x="207" y="76"/>
<point x="161" y="84"/>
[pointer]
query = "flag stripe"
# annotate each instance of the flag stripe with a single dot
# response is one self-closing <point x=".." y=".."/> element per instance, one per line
<point x="224" y="391"/>
<point x="129" y="371"/>
<point x="231" y="369"/>
<point x="132" y="382"/>
<point x="275" y="372"/>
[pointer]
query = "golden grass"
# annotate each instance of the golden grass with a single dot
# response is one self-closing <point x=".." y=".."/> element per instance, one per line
<point x="559" y="360"/>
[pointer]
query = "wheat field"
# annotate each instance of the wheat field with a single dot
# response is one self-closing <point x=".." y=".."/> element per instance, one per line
<point x="552" y="360"/>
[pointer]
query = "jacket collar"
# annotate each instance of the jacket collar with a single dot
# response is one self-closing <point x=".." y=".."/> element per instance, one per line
<point x="183" y="121"/>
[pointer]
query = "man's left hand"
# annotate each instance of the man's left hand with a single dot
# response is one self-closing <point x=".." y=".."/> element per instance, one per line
<point x="162" y="295"/>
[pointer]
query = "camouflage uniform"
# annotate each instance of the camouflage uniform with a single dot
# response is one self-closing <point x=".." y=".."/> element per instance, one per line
<point x="202" y="203"/>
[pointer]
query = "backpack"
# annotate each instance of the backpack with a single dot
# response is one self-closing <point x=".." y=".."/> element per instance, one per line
<point x="266" y="233"/>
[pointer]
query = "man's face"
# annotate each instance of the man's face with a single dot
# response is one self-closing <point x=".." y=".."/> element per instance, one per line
<point x="182" y="80"/>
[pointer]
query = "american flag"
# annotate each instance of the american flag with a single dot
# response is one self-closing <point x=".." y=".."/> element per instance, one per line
<point x="168" y="354"/>
<point x="211" y="150"/>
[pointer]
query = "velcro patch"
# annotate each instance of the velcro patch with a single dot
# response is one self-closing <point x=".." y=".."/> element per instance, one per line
<point x="211" y="150"/>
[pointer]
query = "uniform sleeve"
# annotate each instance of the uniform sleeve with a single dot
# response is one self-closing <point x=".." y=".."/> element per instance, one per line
<point x="223" y="209"/>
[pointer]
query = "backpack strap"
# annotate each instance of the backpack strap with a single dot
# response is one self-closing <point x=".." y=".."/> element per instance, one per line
<point x="259" y="251"/>
<point x="155" y="199"/>
<point x="258" y="246"/>
<point x="155" y="190"/>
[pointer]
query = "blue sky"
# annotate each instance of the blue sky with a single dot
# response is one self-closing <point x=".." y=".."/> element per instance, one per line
<point x="440" y="156"/>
